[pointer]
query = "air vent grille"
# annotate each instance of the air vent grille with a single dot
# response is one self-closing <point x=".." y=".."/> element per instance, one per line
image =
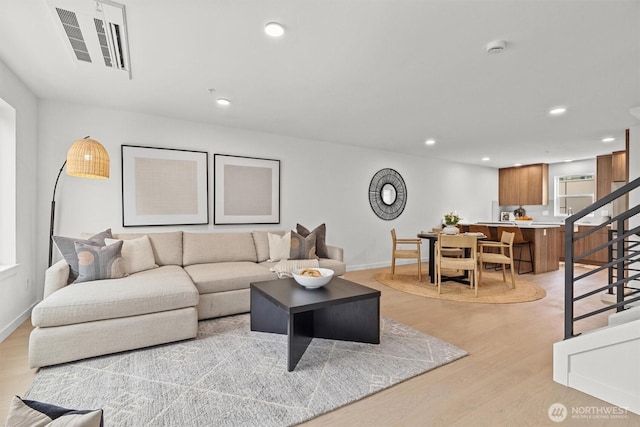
<point x="72" y="29"/>
<point x="102" y="38"/>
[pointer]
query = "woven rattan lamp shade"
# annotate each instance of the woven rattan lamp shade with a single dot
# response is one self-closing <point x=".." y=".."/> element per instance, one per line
<point x="87" y="158"/>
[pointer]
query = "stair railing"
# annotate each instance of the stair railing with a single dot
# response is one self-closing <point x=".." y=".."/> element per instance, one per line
<point x="623" y="265"/>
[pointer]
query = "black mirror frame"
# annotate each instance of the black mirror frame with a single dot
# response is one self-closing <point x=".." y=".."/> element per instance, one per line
<point x="379" y="207"/>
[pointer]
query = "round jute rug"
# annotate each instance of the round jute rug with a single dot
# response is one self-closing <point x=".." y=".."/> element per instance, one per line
<point x="492" y="289"/>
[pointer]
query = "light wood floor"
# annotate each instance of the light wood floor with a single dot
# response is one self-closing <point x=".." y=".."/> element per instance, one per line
<point x="505" y="381"/>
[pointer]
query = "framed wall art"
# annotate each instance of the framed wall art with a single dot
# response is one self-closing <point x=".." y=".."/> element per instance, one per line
<point x="387" y="194"/>
<point x="246" y="190"/>
<point x="164" y="186"/>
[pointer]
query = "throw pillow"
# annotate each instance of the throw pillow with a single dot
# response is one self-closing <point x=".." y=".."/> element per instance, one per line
<point x="279" y="246"/>
<point x="99" y="262"/>
<point x="137" y="254"/>
<point x="38" y="414"/>
<point x="303" y="247"/>
<point x="66" y="246"/>
<point x="321" y="238"/>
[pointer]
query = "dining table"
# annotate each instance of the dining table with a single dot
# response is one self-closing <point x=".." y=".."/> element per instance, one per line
<point x="432" y="236"/>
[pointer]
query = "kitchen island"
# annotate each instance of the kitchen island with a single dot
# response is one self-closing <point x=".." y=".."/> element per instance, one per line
<point x="545" y="241"/>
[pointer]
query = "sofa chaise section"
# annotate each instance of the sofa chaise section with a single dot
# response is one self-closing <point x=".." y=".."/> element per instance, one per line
<point x="105" y="316"/>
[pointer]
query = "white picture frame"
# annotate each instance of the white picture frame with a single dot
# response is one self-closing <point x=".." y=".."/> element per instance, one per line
<point x="246" y="190"/>
<point x="164" y="186"/>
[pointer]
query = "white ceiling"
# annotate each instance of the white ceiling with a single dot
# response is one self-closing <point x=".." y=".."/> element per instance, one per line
<point x="384" y="74"/>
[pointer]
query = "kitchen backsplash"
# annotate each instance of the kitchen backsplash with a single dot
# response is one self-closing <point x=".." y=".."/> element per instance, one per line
<point x="537" y="212"/>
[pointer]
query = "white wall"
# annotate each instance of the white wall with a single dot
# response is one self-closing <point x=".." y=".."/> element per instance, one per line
<point x="18" y="291"/>
<point x="320" y="182"/>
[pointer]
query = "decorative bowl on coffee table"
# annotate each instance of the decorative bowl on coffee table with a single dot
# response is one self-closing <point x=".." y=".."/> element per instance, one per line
<point x="311" y="282"/>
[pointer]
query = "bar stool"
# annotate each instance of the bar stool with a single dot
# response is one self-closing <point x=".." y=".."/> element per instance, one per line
<point x="484" y="229"/>
<point x="519" y="242"/>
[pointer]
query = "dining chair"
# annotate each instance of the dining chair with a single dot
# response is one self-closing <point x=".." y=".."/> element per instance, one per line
<point x="518" y="242"/>
<point x="468" y="261"/>
<point x="500" y="253"/>
<point x="405" y="253"/>
<point x="449" y="252"/>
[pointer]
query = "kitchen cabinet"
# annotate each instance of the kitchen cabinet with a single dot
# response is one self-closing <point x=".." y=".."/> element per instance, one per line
<point x="619" y="166"/>
<point x="603" y="175"/>
<point x="523" y="185"/>
<point x="508" y="187"/>
<point x="592" y="241"/>
<point x="610" y="168"/>
<point x="545" y="248"/>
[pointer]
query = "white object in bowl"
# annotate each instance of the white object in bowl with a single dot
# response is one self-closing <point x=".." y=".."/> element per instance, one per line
<point x="311" y="282"/>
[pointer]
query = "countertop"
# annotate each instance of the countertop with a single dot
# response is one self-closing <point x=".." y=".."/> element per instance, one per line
<point x="534" y="225"/>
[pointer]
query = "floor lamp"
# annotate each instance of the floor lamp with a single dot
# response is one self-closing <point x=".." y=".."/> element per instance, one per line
<point x="86" y="158"/>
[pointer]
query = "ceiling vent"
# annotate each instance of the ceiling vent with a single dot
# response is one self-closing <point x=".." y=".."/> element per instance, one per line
<point x="93" y="30"/>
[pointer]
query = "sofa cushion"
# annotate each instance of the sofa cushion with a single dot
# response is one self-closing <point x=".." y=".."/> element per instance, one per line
<point x="66" y="246"/>
<point x="167" y="247"/>
<point x="303" y="247"/>
<point x="227" y="276"/>
<point x="279" y="246"/>
<point x="137" y="254"/>
<point x="23" y="412"/>
<point x="338" y="267"/>
<point x="100" y="262"/>
<point x="150" y="291"/>
<point x="321" y="238"/>
<point x="261" y="242"/>
<point x="202" y="248"/>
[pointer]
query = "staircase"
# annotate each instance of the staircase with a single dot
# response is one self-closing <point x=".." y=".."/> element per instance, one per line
<point x="603" y="362"/>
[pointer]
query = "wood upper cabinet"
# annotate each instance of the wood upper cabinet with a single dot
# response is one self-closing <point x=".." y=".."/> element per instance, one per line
<point x="524" y="185"/>
<point x="508" y="187"/>
<point x="610" y="168"/>
<point x="603" y="175"/>
<point x="619" y="166"/>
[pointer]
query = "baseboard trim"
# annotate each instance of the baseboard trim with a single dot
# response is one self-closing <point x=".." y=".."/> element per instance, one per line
<point x="382" y="264"/>
<point x="8" y="330"/>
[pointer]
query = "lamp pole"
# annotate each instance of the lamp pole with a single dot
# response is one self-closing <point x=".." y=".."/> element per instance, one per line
<point x="53" y="214"/>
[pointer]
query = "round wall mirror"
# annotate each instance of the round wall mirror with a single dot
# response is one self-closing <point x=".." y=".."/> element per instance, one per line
<point x="387" y="194"/>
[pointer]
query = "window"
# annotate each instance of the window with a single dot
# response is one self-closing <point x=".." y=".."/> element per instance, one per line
<point x="7" y="185"/>
<point x="573" y="193"/>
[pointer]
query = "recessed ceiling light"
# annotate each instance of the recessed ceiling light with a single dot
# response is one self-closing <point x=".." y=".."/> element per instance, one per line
<point x="568" y="161"/>
<point x="430" y="141"/>
<point x="608" y="139"/>
<point x="273" y="29"/>
<point x="496" y="46"/>
<point x="223" y="102"/>
<point x="486" y="159"/>
<point x="517" y="164"/>
<point x="556" y="111"/>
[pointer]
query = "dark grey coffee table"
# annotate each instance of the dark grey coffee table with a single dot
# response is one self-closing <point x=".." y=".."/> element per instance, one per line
<point x="340" y="310"/>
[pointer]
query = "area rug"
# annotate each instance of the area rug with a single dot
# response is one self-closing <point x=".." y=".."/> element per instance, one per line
<point x="230" y="376"/>
<point x="492" y="289"/>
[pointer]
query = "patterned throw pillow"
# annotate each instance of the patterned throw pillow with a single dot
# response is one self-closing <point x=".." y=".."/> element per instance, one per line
<point x="279" y="246"/>
<point x="321" y="238"/>
<point x="99" y="262"/>
<point x="66" y="246"/>
<point x="37" y="414"/>
<point x="303" y="247"/>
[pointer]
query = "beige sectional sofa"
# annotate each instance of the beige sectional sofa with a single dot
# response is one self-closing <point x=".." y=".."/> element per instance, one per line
<point x="199" y="276"/>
